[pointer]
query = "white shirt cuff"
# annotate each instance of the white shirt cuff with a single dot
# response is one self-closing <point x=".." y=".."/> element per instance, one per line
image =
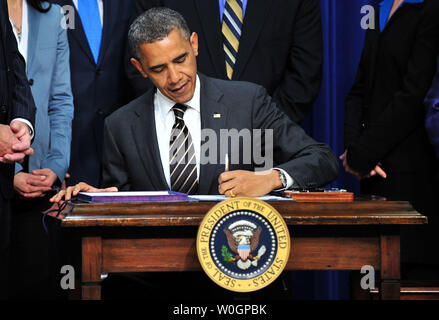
<point x="31" y="128"/>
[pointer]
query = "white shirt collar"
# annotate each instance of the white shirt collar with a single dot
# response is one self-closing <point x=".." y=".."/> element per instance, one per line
<point x="165" y="104"/>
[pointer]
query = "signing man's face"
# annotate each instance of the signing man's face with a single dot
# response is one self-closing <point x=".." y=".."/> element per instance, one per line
<point x="171" y="65"/>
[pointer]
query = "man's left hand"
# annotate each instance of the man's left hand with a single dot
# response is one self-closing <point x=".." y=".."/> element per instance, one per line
<point x="248" y="183"/>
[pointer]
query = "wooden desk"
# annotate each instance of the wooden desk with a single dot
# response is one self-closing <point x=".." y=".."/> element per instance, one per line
<point x="148" y="237"/>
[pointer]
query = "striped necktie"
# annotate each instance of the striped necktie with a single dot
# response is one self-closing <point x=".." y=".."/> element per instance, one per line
<point x="231" y="29"/>
<point x="182" y="161"/>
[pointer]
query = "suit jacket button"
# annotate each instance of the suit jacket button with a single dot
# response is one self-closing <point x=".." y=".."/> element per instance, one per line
<point x="31" y="82"/>
<point x="363" y="125"/>
<point x="3" y="109"/>
<point x="100" y="112"/>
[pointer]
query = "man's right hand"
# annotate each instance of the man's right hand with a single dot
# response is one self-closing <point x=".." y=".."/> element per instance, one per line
<point x="7" y="140"/>
<point x="14" y="143"/>
<point x="74" y="190"/>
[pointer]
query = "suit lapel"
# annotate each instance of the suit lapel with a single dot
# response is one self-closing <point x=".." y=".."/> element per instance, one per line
<point x="109" y="16"/>
<point x="212" y="33"/>
<point x="78" y="33"/>
<point x="145" y="137"/>
<point x="400" y="13"/>
<point x="210" y="104"/>
<point x="405" y="8"/>
<point x="34" y="26"/>
<point x="256" y="12"/>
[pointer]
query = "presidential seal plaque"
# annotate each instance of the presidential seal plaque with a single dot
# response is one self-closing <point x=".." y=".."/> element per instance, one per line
<point x="243" y="244"/>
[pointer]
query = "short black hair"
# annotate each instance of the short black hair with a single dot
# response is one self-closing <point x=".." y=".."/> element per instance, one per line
<point x="154" y="25"/>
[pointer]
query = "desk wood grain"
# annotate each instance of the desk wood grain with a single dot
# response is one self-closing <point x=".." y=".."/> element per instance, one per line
<point x="358" y="212"/>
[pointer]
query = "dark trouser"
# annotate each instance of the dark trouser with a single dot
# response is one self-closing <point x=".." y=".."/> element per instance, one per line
<point x="418" y="243"/>
<point x="32" y="268"/>
<point x="4" y="246"/>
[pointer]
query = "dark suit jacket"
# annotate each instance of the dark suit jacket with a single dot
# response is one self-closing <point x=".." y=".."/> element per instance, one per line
<point x="15" y="96"/>
<point x="280" y="48"/>
<point x="98" y="89"/>
<point x="15" y="102"/>
<point x="385" y="119"/>
<point x="131" y="152"/>
<point x="384" y="109"/>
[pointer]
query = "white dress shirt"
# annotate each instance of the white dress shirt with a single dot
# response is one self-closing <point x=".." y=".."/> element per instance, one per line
<point x="101" y="9"/>
<point x="165" y="119"/>
<point x="23" y="42"/>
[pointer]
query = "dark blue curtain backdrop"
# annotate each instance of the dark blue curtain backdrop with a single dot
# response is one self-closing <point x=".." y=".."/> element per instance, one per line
<point x="343" y="42"/>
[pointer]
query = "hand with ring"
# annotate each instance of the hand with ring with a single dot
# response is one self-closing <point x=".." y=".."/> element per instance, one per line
<point x="241" y="183"/>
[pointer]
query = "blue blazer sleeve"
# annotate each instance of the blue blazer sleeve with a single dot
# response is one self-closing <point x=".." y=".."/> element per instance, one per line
<point x="60" y="110"/>
<point x="49" y="65"/>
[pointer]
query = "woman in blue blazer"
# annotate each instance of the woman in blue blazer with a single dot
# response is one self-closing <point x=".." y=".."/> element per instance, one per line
<point x="43" y="42"/>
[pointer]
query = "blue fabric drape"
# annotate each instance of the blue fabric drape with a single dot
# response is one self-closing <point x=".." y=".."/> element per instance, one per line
<point x="343" y="42"/>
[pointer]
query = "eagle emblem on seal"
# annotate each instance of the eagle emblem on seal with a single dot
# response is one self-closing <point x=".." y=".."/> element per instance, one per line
<point x="243" y="240"/>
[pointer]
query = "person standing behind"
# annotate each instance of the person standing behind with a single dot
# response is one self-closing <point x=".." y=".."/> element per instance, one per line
<point x="44" y="45"/>
<point x="386" y="142"/>
<point x="16" y="104"/>
<point x="276" y="44"/>
<point x="99" y="84"/>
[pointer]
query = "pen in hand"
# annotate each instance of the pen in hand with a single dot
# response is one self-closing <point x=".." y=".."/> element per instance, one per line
<point x="226" y="162"/>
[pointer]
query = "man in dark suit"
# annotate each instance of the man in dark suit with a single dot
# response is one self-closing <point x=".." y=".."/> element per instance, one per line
<point x="17" y="117"/>
<point x="278" y="45"/>
<point x="138" y="140"/>
<point x="99" y="85"/>
<point x="158" y="141"/>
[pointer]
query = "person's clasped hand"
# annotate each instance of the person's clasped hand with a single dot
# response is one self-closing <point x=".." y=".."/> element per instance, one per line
<point x="375" y="171"/>
<point x="15" y="142"/>
<point x="35" y="184"/>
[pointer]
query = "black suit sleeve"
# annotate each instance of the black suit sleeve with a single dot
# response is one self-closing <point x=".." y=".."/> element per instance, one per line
<point x="302" y="78"/>
<point x="114" y="171"/>
<point x="401" y="116"/>
<point x="309" y="163"/>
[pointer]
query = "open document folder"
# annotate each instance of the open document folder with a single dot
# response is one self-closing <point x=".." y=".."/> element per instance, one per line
<point x="131" y="196"/>
<point x="154" y="196"/>
<point x="222" y="197"/>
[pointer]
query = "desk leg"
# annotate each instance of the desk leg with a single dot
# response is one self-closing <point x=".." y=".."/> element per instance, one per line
<point x="390" y="267"/>
<point x="91" y="268"/>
